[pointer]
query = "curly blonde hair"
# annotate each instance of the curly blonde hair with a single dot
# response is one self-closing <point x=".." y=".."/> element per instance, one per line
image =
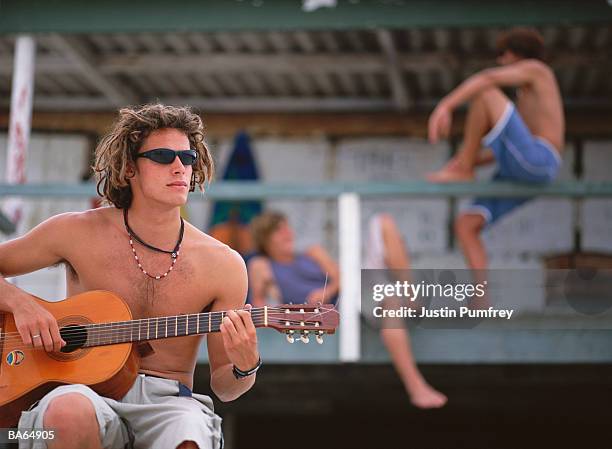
<point x="119" y="148"/>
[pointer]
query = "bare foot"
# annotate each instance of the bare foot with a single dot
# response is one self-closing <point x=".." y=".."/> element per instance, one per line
<point x="425" y="396"/>
<point x="453" y="171"/>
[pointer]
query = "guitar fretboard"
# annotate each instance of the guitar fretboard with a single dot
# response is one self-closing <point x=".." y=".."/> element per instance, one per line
<point x="161" y="327"/>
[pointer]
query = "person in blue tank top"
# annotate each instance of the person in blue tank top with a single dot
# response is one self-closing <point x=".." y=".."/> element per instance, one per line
<point x="279" y="274"/>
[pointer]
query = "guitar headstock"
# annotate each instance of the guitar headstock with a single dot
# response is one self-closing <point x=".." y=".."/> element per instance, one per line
<point x="304" y="320"/>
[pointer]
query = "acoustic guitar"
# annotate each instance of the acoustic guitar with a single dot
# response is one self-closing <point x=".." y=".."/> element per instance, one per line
<point x="101" y="351"/>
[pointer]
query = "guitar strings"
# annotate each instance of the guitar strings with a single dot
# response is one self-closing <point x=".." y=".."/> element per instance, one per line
<point x="118" y="331"/>
<point x="214" y="319"/>
<point x="30" y="348"/>
<point x="137" y="324"/>
<point x="110" y="331"/>
<point x="121" y="334"/>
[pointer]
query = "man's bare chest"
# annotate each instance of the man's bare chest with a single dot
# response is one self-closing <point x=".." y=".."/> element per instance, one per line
<point x="113" y="267"/>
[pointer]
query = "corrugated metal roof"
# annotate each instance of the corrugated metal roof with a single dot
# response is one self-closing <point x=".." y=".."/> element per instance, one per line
<point x="293" y="71"/>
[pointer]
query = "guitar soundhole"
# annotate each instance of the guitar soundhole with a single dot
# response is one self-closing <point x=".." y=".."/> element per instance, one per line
<point x="75" y="337"/>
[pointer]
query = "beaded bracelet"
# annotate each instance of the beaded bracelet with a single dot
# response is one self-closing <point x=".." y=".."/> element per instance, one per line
<point x="239" y="374"/>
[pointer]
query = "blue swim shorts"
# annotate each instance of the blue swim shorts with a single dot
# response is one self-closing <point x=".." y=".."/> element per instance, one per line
<point x="521" y="157"/>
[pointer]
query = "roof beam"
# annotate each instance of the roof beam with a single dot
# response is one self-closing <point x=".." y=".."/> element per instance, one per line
<point x="220" y="62"/>
<point x="371" y="85"/>
<point x="345" y="80"/>
<point x="253" y="41"/>
<point x="81" y="60"/>
<point x="223" y="104"/>
<point x="356" y="42"/>
<point x="210" y="84"/>
<point x="279" y="41"/>
<point x="305" y="41"/>
<point x="253" y="82"/>
<point x="269" y="104"/>
<point x="581" y="123"/>
<point x="290" y="63"/>
<point x="401" y="96"/>
<point x="324" y="83"/>
<point x="304" y="84"/>
<point x="330" y="42"/>
<point x="201" y="42"/>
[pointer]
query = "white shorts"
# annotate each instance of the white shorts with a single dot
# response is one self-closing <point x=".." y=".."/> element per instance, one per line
<point x="152" y="415"/>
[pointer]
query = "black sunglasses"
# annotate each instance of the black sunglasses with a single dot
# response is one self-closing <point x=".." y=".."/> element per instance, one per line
<point x="167" y="156"/>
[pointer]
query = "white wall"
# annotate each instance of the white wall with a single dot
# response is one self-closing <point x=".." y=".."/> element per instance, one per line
<point x="596" y="214"/>
<point x="423" y="222"/>
<point x="51" y="158"/>
<point x="299" y="161"/>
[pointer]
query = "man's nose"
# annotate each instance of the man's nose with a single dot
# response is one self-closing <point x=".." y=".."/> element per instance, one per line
<point x="177" y="165"/>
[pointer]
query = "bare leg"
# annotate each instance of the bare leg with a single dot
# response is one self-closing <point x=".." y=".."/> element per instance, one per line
<point x="73" y="418"/>
<point x="468" y="228"/>
<point x="397" y="341"/>
<point x="485" y="110"/>
<point x="422" y="394"/>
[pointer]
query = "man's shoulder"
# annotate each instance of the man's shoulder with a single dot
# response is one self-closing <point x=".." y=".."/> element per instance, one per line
<point x="73" y="221"/>
<point x="224" y="268"/>
<point x="534" y="66"/>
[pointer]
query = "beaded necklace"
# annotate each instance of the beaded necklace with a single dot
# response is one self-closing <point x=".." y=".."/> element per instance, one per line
<point x="173" y="253"/>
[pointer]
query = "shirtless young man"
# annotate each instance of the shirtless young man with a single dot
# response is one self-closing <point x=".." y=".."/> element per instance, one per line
<point x="525" y="141"/>
<point x="150" y="187"/>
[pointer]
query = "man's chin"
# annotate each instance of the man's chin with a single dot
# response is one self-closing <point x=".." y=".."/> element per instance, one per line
<point x="169" y="199"/>
<point x="177" y="201"/>
<point x="182" y="202"/>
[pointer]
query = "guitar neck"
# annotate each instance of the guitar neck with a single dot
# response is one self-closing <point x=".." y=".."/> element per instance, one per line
<point x="162" y="327"/>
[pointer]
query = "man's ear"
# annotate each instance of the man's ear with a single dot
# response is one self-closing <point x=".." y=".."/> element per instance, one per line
<point x="130" y="170"/>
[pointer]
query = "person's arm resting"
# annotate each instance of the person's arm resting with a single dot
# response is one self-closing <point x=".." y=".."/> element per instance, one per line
<point x="328" y="266"/>
<point x="259" y="279"/>
<point x="517" y="74"/>
<point x="236" y="344"/>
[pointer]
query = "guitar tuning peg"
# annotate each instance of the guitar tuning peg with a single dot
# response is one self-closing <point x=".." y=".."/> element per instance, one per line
<point x="290" y="338"/>
<point x="319" y="339"/>
<point x="305" y="339"/>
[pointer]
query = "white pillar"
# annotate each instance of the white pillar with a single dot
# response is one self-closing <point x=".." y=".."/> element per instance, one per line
<point x="350" y="276"/>
<point x="20" y="122"/>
